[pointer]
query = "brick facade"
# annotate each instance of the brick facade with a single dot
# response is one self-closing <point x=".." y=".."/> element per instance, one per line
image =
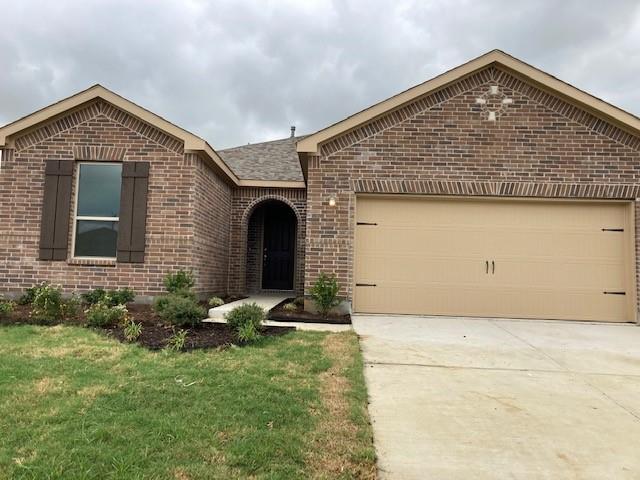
<point x="441" y="144"/>
<point x="188" y="212"/>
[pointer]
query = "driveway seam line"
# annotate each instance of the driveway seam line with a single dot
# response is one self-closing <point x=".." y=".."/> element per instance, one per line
<point x="585" y="380"/>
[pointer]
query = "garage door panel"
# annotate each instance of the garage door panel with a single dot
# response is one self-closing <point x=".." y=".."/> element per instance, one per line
<point x="547" y="259"/>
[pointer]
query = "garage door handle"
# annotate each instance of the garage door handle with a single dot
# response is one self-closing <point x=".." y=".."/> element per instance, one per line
<point x="486" y="266"/>
<point x="493" y="267"/>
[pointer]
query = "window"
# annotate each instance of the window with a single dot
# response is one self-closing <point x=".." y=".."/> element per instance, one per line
<point x="97" y="210"/>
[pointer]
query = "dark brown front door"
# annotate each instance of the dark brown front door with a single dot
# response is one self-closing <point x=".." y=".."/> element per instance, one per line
<point x="278" y="248"/>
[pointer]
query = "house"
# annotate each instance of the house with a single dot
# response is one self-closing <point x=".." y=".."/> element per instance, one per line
<point x="493" y="189"/>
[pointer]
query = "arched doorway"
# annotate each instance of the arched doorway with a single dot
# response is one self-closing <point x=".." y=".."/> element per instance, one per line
<point x="271" y="247"/>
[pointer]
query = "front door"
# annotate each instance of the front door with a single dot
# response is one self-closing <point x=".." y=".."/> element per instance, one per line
<point x="278" y="248"/>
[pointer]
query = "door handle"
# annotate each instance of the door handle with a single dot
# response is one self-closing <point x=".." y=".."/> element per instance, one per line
<point x="493" y="267"/>
<point x="486" y="266"/>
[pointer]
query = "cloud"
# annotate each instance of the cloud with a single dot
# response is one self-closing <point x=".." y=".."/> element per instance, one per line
<point x="237" y="71"/>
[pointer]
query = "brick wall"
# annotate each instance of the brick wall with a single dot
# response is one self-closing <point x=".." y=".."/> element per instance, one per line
<point x="442" y="144"/>
<point x="178" y="194"/>
<point x="244" y="202"/>
<point x="211" y="218"/>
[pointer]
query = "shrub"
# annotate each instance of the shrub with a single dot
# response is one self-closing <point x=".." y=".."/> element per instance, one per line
<point x="112" y="297"/>
<point x="94" y="296"/>
<point x="290" y="307"/>
<point x="48" y="306"/>
<point x="325" y="293"/>
<point x="132" y="330"/>
<point x="299" y="301"/>
<point x="121" y="296"/>
<point x="180" y="281"/>
<point x="102" y="314"/>
<point x="246" y="321"/>
<point x="6" y="307"/>
<point x="179" y="310"/>
<point x="27" y="296"/>
<point x="215" y="302"/>
<point x="177" y="341"/>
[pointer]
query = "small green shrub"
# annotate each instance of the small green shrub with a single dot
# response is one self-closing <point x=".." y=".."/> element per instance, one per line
<point x="132" y="330"/>
<point x="27" y="296"/>
<point x="299" y="301"/>
<point x="6" y="307"/>
<point x="180" y="281"/>
<point x="179" y="310"/>
<point x="325" y="293"/>
<point x="121" y="296"/>
<point x="49" y="307"/>
<point x="102" y="314"/>
<point x="93" y="296"/>
<point x="215" y="302"/>
<point x="290" y="307"/>
<point x="177" y="341"/>
<point x="246" y="321"/>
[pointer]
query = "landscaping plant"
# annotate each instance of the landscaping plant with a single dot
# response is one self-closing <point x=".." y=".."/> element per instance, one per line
<point x="6" y="307"/>
<point x="177" y="341"/>
<point x="325" y="293"/>
<point x="246" y="320"/>
<point x="290" y="307"/>
<point x="215" y="302"/>
<point x="102" y="314"/>
<point x="132" y="330"/>
<point x="179" y="282"/>
<point x="48" y="306"/>
<point x="27" y="296"/>
<point x="112" y="297"/>
<point x="179" y="310"/>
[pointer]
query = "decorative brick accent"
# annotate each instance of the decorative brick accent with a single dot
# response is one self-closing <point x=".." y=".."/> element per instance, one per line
<point x="440" y="145"/>
<point x="502" y="189"/>
<point x="99" y="152"/>
<point x="91" y="111"/>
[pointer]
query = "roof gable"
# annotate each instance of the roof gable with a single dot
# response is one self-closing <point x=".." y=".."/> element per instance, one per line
<point x="541" y="80"/>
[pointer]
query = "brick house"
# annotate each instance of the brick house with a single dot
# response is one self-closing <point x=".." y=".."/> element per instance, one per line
<point x="493" y="189"/>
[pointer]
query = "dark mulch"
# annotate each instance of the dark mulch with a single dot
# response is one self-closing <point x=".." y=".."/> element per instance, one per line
<point x="207" y="335"/>
<point x="279" y="314"/>
<point x="155" y="333"/>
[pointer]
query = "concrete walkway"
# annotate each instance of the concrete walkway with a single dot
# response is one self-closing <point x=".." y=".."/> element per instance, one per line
<point x="263" y="300"/>
<point x="268" y="302"/>
<point x="454" y="398"/>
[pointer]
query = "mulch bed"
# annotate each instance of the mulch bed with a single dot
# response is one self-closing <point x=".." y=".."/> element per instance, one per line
<point x="155" y="334"/>
<point x="279" y="314"/>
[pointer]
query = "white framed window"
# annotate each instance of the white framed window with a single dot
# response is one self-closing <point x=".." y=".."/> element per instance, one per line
<point x="97" y="210"/>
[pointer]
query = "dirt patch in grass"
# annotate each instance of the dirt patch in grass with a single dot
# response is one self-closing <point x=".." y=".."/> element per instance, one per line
<point x="279" y="314"/>
<point x="339" y="438"/>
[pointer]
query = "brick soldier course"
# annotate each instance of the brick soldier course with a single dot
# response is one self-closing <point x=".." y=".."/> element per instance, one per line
<point x="549" y="140"/>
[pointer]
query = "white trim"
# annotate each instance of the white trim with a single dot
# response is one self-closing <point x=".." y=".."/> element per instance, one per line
<point x="77" y="217"/>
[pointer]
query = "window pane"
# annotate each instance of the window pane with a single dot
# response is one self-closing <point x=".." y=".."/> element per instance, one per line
<point x="96" y="239"/>
<point x="99" y="190"/>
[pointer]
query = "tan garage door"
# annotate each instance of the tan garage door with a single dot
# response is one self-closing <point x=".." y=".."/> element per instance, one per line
<point x="494" y="258"/>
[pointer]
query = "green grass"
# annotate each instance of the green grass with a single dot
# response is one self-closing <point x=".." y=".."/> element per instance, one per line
<point x="74" y="404"/>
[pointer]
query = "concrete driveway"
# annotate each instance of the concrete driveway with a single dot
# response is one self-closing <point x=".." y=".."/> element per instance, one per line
<point x="455" y="398"/>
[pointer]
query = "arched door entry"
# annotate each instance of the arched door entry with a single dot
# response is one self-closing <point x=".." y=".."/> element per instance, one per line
<point x="277" y="240"/>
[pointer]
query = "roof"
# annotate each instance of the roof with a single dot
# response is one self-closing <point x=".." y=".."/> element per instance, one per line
<point x="192" y="143"/>
<point x="275" y="160"/>
<point x="598" y="107"/>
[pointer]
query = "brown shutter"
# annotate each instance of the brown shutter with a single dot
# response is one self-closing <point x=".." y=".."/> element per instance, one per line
<point x="133" y="212"/>
<point x="56" y="208"/>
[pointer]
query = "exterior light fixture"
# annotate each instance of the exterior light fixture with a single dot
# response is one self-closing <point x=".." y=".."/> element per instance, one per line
<point x="332" y="201"/>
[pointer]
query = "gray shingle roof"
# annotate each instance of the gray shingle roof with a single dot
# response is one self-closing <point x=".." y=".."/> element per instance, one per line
<point x="275" y="160"/>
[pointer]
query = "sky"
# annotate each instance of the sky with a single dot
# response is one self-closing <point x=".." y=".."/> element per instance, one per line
<point x="244" y="71"/>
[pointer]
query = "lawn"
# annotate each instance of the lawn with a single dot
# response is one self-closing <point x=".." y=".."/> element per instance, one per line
<point x="76" y="404"/>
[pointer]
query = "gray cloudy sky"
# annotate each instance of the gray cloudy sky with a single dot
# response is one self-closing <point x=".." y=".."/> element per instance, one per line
<point x="243" y="71"/>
